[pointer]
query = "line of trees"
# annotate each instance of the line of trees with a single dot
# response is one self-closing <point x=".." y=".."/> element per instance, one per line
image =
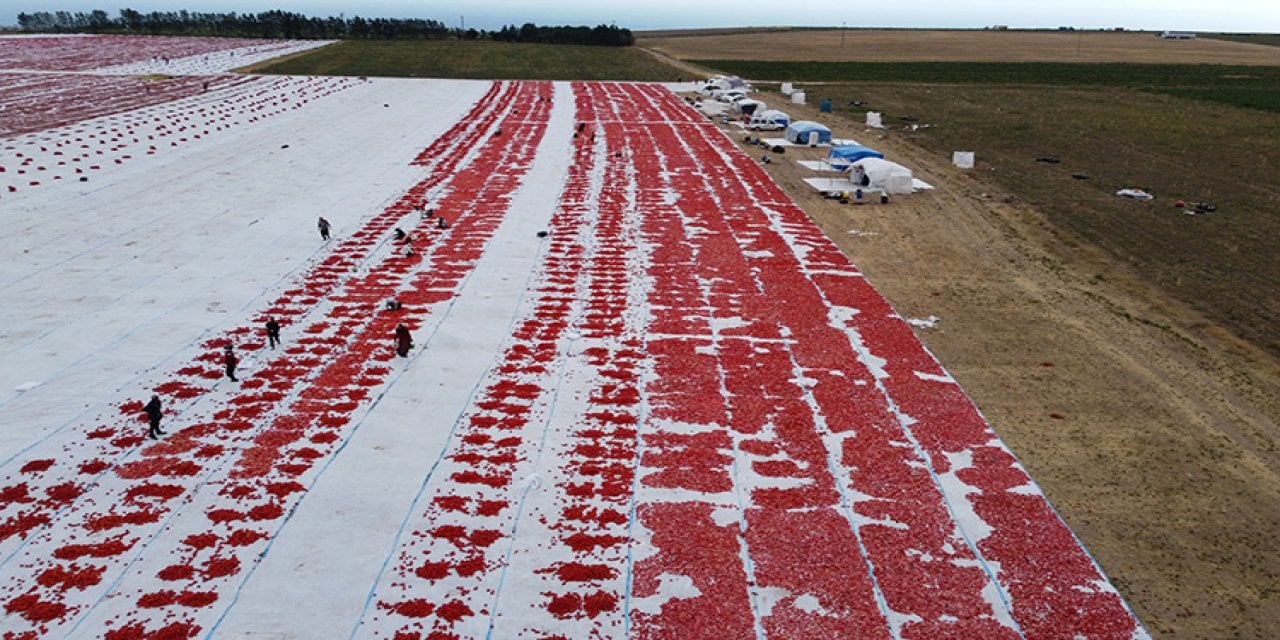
<point x="602" y="35"/>
<point x="286" y="24"/>
<point x="268" y="24"/>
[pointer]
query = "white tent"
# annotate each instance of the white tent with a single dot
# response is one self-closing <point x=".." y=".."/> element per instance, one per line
<point x="880" y="174"/>
<point x="713" y="86"/>
<point x="748" y="105"/>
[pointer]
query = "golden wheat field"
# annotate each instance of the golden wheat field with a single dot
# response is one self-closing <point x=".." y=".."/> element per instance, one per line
<point x="900" y="45"/>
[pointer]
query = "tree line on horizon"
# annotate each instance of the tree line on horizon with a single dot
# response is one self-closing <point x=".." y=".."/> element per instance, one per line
<point x="287" y="24"/>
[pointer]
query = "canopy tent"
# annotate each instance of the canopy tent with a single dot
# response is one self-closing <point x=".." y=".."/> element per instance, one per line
<point x="747" y="106"/>
<point x="878" y="173"/>
<point x="807" y="132"/>
<point x="735" y="82"/>
<point x="847" y="154"/>
<point x="769" y="119"/>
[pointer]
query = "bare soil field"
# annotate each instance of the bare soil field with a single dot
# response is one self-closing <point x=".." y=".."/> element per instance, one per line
<point x="962" y="46"/>
<point x="1152" y="430"/>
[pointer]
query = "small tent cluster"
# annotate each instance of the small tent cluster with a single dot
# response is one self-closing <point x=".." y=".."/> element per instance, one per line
<point x="807" y="132"/>
<point x="720" y="84"/>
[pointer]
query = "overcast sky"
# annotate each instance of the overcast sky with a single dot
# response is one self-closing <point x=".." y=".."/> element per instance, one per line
<point x="1197" y="15"/>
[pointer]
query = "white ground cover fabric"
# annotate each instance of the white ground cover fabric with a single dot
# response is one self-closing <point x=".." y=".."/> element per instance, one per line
<point x="646" y="396"/>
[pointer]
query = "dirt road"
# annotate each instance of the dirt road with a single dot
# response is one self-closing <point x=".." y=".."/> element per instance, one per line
<point x="1153" y="432"/>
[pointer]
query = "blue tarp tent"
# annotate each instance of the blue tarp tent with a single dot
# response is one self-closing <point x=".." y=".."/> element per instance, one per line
<point x="847" y="154"/>
<point x="802" y="132"/>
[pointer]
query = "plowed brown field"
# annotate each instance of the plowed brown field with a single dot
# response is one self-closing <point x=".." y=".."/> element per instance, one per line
<point x="966" y="46"/>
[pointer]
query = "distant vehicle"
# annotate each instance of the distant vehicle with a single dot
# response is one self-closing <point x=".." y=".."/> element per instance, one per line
<point x="770" y="120"/>
<point x="729" y="96"/>
<point x="1177" y="35"/>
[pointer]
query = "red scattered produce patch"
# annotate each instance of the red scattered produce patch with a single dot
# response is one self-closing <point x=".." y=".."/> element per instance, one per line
<point x="201" y="540"/>
<point x="585" y="542"/>
<point x="266" y="512"/>
<point x="283" y="489"/>
<point x="157" y="599"/>
<point x="176" y="572"/>
<point x="491" y="507"/>
<point x="452" y="503"/>
<point x="138" y="631"/>
<point x="209" y="451"/>
<point x="578" y="572"/>
<point x="197" y="599"/>
<point x="112" y="547"/>
<point x="219" y="567"/>
<point x="114" y="521"/>
<point x="152" y="490"/>
<point x="599" y="602"/>
<point x="16" y="493"/>
<point x="73" y="576"/>
<point x="223" y="515"/>
<point x="308" y="453"/>
<point x="244" y="537"/>
<point x="417" y="608"/>
<point x="565" y="605"/>
<point x="324" y="437"/>
<point x="36" y="466"/>
<point x="432" y="570"/>
<point x="470" y="566"/>
<point x="454" y="610"/>
<point x="31" y="607"/>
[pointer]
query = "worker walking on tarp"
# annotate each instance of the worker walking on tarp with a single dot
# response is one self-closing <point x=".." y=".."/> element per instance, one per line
<point x="230" y="360"/>
<point x="404" y="341"/>
<point x="323" y="225"/>
<point x="273" y="332"/>
<point x="153" y="415"/>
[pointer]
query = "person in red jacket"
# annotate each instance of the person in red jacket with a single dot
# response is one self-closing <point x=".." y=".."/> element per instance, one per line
<point x="403" y="340"/>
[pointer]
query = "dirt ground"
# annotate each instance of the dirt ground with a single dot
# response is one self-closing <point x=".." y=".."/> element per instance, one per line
<point x="1152" y="431"/>
<point x="901" y="45"/>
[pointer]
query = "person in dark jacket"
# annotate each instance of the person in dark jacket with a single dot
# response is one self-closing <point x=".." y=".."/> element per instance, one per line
<point x="154" y="413"/>
<point x="323" y="225"/>
<point x="403" y="340"/>
<point x="273" y="332"/>
<point x="230" y="359"/>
